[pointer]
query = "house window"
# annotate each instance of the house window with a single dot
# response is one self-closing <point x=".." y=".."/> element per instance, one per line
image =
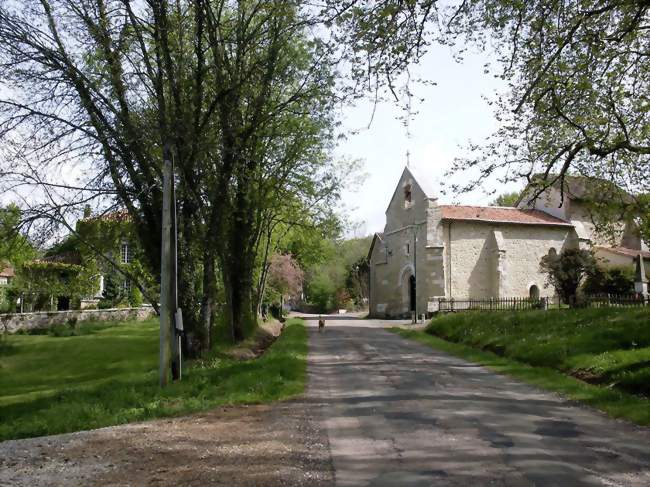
<point x="4" y="281"/>
<point x="125" y="254"/>
<point x="126" y="285"/>
<point x="408" y="249"/>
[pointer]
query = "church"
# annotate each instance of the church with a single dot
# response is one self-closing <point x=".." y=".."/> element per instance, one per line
<point x="429" y="250"/>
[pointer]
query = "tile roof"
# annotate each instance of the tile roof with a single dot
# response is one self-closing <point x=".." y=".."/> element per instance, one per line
<point x="499" y="214"/>
<point x="626" y="251"/>
<point x="114" y="216"/>
<point x="69" y="257"/>
<point x="7" y="271"/>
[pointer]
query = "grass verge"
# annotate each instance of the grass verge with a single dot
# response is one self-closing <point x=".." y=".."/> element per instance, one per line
<point x="614" y="402"/>
<point x="108" y="376"/>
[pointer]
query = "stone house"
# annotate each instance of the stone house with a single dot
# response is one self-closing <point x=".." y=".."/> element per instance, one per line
<point x="429" y="250"/>
<point x="72" y="276"/>
<point x="7" y="274"/>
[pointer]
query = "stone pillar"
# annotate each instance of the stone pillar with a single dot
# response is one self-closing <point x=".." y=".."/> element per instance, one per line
<point x="640" y="279"/>
<point x="501" y="273"/>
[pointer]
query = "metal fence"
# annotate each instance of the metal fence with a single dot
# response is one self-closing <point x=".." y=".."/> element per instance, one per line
<point x="517" y="304"/>
<point x="493" y="304"/>
<point x="612" y="300"/>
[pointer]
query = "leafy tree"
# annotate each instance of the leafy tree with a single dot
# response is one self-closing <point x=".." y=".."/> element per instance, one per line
<point x="506" y="199"/>
<point x="577" y="102"/>
<point x="567" y="270"/>
<point x="326" y="283"/>
<point x="15" y="248"/>
<point x="241" y="95"/>
<point x="357" y="281"/>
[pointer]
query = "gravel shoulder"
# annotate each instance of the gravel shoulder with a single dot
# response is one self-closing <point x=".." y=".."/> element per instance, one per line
<point x="279" y="444"/>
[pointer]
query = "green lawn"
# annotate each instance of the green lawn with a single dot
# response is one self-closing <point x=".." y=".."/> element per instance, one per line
<point x="608" y="349"/>
<point x="108" y="375"/>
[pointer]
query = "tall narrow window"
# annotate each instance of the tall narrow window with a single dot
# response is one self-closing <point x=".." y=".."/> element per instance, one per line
<point x="125" y="256"/>
<point x="407" y="194"/>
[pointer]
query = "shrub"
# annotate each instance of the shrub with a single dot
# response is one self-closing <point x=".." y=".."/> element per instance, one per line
<point x="612" y="280"/>
<point x="135" y="297"/>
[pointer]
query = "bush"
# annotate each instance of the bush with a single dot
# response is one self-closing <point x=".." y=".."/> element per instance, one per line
<point x="135" y="297"/>
<point x="105" y="304"/>
<point x="612" y="280"/>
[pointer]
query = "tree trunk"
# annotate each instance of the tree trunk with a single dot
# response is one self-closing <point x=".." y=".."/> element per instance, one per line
<point x="208" y="300"/>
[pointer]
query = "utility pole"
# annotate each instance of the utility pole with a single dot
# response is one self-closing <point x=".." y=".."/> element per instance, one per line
<point x="171" y="319"/>
<point x="177" y="320"/>
<point x="166" y="321"/>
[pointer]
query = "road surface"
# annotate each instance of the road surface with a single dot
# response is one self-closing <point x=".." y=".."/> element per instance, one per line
<point x="399" y="413"/>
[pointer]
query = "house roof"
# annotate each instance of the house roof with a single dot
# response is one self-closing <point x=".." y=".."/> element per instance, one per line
<point x="114" y="216"/>
<point x="579" y="188"/>
<point x="70" y="257"/>
<point x="625" y="251"/>
<point x="7" y="271"/>
<point x="500" y="214"/>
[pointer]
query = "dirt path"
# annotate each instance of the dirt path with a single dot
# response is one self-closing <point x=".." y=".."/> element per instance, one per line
<point x="278" y="445"/>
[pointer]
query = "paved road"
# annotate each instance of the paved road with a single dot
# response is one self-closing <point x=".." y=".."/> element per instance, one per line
<point x="399" y="413"/>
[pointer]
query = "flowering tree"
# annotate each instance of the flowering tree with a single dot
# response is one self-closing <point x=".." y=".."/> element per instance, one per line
<point x="285" y="276"/>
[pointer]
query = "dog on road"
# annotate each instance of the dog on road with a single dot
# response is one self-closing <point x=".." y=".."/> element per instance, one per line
<point x="321" y="324"/>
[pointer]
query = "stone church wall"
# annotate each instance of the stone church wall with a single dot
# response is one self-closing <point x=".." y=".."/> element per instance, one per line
<point x="474" y="258"/>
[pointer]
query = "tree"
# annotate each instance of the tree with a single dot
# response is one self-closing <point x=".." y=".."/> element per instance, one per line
<point x="506" y="199"/>
<point x="566" y="271"/>
<point x="577" y="99"/>
<point x="15" y="248"/>
<point x="357" y="281"/>
<point x="241" y="95"/>
<point x="285" y="277"/>
<point x="332" y="281"/>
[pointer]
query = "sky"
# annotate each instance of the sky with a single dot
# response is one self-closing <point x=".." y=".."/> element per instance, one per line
<point x="453" y="114"/>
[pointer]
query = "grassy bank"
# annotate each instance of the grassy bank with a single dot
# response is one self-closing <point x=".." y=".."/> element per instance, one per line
<point x="108" y="375"/>
<point x="598" y="356"/>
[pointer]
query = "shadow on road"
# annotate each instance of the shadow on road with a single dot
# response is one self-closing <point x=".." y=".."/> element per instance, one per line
<point x="400" y="413"/>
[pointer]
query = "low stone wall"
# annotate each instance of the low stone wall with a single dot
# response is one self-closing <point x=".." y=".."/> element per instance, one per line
<point x="13" y="322"/>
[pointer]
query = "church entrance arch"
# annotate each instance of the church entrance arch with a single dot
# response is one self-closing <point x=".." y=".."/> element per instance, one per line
<point x="407" y="288"/>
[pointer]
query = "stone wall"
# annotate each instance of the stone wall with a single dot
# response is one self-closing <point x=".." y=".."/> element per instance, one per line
<point x="13" y="322"/>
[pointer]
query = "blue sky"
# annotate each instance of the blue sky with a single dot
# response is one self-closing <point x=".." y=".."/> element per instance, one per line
<point x="453" y="113"/>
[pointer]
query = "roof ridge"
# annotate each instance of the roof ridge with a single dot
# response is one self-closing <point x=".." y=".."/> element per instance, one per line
<point x="495" y="207"/>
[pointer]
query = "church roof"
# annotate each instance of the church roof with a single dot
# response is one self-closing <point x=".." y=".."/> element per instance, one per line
<point x="625" y="251"/>
<point x="499" y="214"/>
<point x="375" y="237"/>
